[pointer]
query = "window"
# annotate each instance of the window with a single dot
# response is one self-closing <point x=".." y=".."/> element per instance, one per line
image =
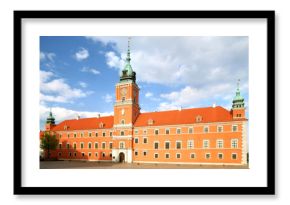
<point x="82" y="145"/>
<point x="235" y="128"/>
<point x="167" y="155"/>
<point x="96" y="145"/>
<point x="59" y="136"/>
<point x="156" y="145"/>
<point x="219" y="144"/>
<point x="83" y="154"/>
<point x="156" y="131"/>
<point x="220" y="156"/>
<point x="136" y="140"/>
<point x="90" y="145"/>
<point x="59" y="154"/>
<point x="59" y="146"/>
<point x="167" y="131"/>
<point x="122" y="122"/>
<point x="111" y="155"/>
<point x="67" y="145"/>
<point x="144" y="153"/>
<point x="67" y="135"/>
<point x="189" y="144"/>
<point x="111" y="145"/>
<point x="103" y="154"/>
<point x="156" y="155"/>
<point x="207" y="155"/>
<point x="82" y="134"/>
<point x="75" y="146"/>
<point x="75" y="154"/>
<point x="111" y="134"/>
<point x="150" y="122"/>
<point x="178" y="145"/>
<point x="90" y="154"/>
<point x="136" y="132"/>
<point x="136" y="153"/>
<point x="75" y="135"/>
<point x="96" y="134"/>
<point x="178" y="155"/>
<point x="70" y="154"/>
<point x="90" y="134"/>
<point x="167" y="145"/>
<point x="205" y="129"/>
<point x="96" y="154"/>
<point x="145" y="140"/>
<point x="178" y="131"/>
<point x="234" y="156"/>
<point x="220" y="129"/>
<point x="192" y="155"/>
<point x="145" y="132"/>
<point x="122" y="145"/>
<point x="103" y="145"/>
<point x="190" y="130"/>
<point x="122" y="133"/>
<point x="234" y="143"/>
<point x="198" y="118"/>
<point x="104" y="134"/>
<point x="205" y="143"/>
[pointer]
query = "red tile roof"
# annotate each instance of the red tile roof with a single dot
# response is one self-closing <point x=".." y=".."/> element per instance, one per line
<point x="86" y="123"/>
<point x="172" y="117"/>
<point x="184" y="116"/>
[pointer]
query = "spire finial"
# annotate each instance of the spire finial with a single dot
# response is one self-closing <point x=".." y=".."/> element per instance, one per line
<point x="128" y="52"/>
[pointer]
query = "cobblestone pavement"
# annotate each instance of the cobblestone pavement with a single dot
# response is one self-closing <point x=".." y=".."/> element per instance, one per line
<point x="111" y="165"/>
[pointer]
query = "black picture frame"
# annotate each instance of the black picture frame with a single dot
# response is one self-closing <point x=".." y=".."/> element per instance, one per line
<point x="19" y="189"/>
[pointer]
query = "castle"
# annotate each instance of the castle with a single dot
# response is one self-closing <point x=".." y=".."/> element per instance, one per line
<point x="207" y="135"/>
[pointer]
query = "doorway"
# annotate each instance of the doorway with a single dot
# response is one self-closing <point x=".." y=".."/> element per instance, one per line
<point x="121" y="157"/>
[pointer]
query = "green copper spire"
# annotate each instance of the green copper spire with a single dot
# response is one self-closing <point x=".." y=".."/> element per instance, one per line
<point x="50" y="119"/>
<point x="127" y="73"/>
<point x="238" y="101"/>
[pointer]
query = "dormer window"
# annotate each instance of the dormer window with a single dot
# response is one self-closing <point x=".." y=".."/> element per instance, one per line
<point x="101" y="125"/>
<point x="150" y="122"/>
<point x="65" y="127"/>
<point x="198" y="118"/>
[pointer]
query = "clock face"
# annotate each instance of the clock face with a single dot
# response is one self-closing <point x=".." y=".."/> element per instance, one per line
<point x="124" y="91"/>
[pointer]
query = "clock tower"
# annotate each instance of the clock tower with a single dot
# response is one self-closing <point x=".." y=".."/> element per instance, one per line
<point x="126" y="108"/>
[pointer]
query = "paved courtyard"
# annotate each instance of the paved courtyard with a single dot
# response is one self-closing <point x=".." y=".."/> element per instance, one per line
<point x="111" y="165"/>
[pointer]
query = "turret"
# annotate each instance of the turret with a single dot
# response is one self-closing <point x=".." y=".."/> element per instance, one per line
<point x="238" y="107"/>
<point x="50" y="122"/>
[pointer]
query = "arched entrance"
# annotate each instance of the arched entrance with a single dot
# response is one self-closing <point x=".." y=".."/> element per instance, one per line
<point x="121" y="157"/>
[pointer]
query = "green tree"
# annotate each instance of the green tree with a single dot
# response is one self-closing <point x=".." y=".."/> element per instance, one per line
<point x="48" y="142"/>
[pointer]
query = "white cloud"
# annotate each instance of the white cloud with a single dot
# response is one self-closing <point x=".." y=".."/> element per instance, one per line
<point x="57" y="90"/>
<point x="148" y="94"/>
<point x="61" y="113"/>
<point x="82" y="54"/>
<point x="90" y="70"/>
<point x="47" y="56"/>
<point x="83" y="84"/>
<point x="108" y="98"/>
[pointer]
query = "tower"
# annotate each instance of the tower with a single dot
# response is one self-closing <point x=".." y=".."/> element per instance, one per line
<point x="50" y="122"/>
<point x="238" y="107"/>
<point x="126" y="108"/>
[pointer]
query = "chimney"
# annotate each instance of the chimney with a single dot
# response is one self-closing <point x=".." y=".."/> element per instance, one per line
<point x="99" y="115"/>
<point x="78" y="117"/>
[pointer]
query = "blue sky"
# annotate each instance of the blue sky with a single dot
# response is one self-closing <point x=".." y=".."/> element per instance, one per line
<point x="78" y="74"/>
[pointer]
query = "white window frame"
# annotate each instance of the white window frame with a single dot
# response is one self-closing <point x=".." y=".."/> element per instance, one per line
<point x="82" y="145"/>
<point x="96" y="143"/>
<point x="168" y="155"/>
<point x="191" y="130"/>
<point x="155" y="155"/>
<point x="75" y="135"/>
<point x="136" y="138"/>
<point x="205" y="155"/>
<point x="167" y="129"/>
<point x="165" y="145"/>
<point x="217" y="143"/>
<point x="103" y="154"/>
<point x="154" y="145"/>
<point x="146" y="153"/>
<point x="237" y="143"/>
<point x="89" y="154"/>
<point x="237" y="128"/>
<point x="204" y="129"/>
<point x="155" y="131"/>
<point x="90" y="134"/>
<point x="179" y="155"/>
<point x="110" y="143"/>
<point x="222" y="128"/>
<point x="190" y="142"/>
<point x="122" y="132"/>
<point x="89" y="143"/>
<point x="123" y="145"/>
<point x="236" y="156"/>
<point x="179" y="130"/>
<point x="221" y="154"/>
<point x="136" y="132"/>
<point x="74" y="145"/>
<point x="203" y="144"/>
<point x="176" y="144"/>
<point x="104" y="143"/>
<point x="194" y="154"/>
<point x="146" y="140"/>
